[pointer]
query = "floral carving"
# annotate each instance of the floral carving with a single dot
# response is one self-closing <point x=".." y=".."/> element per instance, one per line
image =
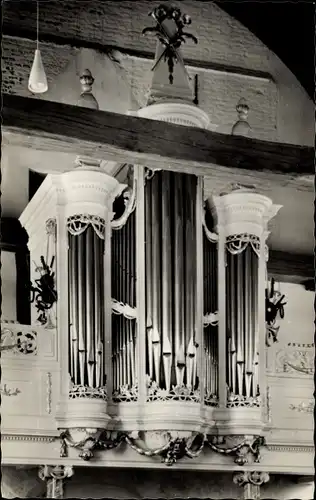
<point x="304" y="407"/>
<point x="210" y="399"/>
<point x="126" y="393"/>
<point x="178" y="393"/>
<point x="9" y="392"/>
<point x="237" y="401"/>
<point x="83" y="391"/>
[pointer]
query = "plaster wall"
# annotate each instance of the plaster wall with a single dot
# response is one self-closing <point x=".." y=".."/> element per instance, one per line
<point x="8" y="286"/>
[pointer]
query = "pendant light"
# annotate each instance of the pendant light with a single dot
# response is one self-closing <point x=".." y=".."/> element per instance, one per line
<point x="37" y="80"/>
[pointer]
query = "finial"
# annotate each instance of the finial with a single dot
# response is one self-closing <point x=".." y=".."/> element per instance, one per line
<point x="242" y="126"/>
<point x="87" y="99"/>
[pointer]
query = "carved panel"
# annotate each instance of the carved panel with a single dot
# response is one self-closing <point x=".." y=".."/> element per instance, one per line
<point x="18" y="339"/>
<point x="295" y="359"/>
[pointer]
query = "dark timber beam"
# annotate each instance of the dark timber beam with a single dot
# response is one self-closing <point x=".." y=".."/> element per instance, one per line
<point x="50" y="126"/>
<point x="292" y="268"/>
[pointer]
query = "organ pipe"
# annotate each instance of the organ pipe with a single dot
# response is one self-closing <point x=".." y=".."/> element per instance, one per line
<point x="170" y="280"/>
<point x="123" y="291"/>
<point x="86" y="363"/>
<point x="242" y="323"/>
<point x="210" y="330"/>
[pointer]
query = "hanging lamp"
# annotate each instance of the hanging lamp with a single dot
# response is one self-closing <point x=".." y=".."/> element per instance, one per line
<point x="37" y="80"/>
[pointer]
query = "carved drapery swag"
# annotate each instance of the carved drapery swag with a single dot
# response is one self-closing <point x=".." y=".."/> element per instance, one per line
<point x="77" y="224"/>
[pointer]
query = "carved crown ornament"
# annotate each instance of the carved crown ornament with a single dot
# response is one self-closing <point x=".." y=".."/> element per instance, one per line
<point x="169" y="30"/>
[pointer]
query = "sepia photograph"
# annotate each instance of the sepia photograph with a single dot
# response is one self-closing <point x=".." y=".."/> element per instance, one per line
<point x="157" y="249"/>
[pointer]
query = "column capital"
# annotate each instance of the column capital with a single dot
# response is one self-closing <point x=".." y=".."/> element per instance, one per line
<point x="251" y="482"/>
<point x="55" y="471"/>
<point x="54" y="476"/>
<point x="252" y="477"/>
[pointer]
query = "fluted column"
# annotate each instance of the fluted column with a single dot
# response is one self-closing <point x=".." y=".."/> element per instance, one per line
<point x="55" y="477"/>
<point x="250" y="482"/>
<point x="241" y="222"/>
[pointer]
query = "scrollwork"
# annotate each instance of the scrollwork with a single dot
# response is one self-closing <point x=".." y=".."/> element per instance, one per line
<point x="77" y="224"/>
<point x="129" y="196"/>
<point x="212" y="237"/>
<point x="123" y="309"/>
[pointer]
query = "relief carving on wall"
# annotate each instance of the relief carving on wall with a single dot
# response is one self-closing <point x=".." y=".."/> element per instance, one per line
<point x="16" y="341"/>
<point x="304" y="406"/>
<point x="296" y="358"/>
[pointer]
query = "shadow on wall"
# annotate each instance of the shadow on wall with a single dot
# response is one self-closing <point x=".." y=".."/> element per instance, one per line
<point x="172" y="484"/>
<point x="21" y="482"/>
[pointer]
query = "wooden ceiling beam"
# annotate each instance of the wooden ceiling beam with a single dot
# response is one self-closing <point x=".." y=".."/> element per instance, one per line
<point x="292" y="268"/>
<point x="51" y="126"/>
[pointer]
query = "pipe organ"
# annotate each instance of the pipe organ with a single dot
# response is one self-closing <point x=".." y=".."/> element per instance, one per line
<point x="161" y="301"/>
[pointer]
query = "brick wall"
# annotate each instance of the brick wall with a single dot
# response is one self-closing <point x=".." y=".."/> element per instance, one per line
<point x="278" y="111"/>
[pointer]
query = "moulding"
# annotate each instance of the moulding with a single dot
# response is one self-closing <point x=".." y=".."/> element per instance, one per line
<point x="22" y="437"/>
<point x="175" y="112"/>
<point x="290" y="448"/>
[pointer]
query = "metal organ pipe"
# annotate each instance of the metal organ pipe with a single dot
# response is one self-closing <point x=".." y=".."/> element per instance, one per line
<point x="170" y="280"/>
<point x="123" y="292"/>
<point x="242" y="323"/>
<point x="210" y="329"/>
<point x="86" y="290"/>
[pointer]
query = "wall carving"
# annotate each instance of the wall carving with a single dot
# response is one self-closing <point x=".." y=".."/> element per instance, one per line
<point x="295" y="360"/>
<point x="18" y="341"/>
<point x="49" y="393"/>
<point x="304" y="406"/>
